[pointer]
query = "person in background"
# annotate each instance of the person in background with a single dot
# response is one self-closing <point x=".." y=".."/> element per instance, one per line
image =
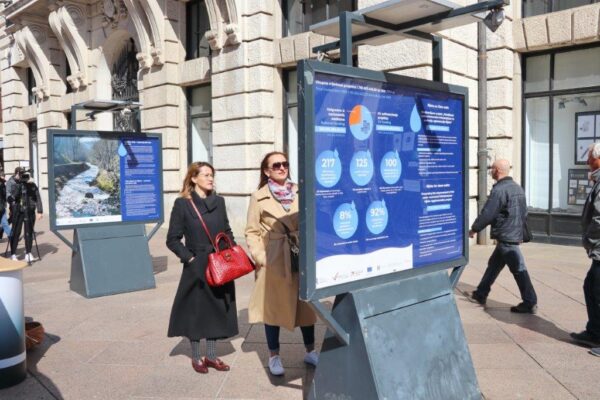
<point x="590" y="224"/>
<point x="200" y="311"/>
<point x="506" y="211"/>
<point x="4" y="226"/>
<point x="26" y="207"/>
<point x="273" y="212"/>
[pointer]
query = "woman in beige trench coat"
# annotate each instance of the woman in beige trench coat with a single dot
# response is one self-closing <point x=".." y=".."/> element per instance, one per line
<point x="274" y="301"/>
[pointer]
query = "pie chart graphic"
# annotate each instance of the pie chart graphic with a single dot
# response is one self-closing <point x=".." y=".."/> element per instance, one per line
<point x="361" y="122"/>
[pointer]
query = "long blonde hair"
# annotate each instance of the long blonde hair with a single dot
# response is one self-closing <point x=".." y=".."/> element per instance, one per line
<point x="192" y="172"/>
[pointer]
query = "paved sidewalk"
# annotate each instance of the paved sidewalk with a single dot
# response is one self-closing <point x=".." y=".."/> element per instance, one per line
<point x="116" y="347"/>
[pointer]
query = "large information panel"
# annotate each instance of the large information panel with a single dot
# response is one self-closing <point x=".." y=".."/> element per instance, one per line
<point x="383" y="177"/>
<point x="100" y="178"/>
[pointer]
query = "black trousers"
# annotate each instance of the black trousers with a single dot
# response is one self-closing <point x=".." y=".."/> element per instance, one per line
<point x="591" y="291"/>
<point x="508" y="253"/>
<point x="18" y="221"/>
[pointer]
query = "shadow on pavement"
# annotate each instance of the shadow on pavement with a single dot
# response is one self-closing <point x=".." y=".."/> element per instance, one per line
<point x="34" y="355"/>
<point x="533" y="322"/>
<point x="159" y="264"/>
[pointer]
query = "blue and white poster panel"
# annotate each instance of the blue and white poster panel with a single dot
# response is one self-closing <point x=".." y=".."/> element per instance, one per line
<point x="389" y="182"/>
<point x="105" y="178"/>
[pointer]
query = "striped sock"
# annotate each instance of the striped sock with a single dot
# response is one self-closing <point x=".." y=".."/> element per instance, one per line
<point x="195" y="350"/>
<point x="211" y="349"/>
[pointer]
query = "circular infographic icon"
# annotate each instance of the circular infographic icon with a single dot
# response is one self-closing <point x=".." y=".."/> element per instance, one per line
<point x="391" y="167"/>
<point x="361" y="167"/>
<point x="361" y="122"/>
<point x="377" y="217"/>
<point x="328" y="168"/>
<point x="345" y="220"/>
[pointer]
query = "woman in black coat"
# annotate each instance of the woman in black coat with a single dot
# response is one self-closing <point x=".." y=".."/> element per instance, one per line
<point x="199" y="310"/>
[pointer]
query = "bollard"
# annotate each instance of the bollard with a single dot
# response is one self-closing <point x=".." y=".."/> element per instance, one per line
<point x="13" y="364"/>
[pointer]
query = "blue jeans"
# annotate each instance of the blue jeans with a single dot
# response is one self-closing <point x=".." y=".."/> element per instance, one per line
<point x="508" y="253"/>
<point x="591" y="291"/>
<point x="272" y="333"/>
<point x="4" y="224"/>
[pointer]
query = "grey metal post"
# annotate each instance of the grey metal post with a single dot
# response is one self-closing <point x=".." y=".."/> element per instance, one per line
<point x="482" y="151"/>
<point x="346" y="38"/>
<point x="438" y="59"/>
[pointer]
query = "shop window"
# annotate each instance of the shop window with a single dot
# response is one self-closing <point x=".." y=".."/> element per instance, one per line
<point x="575" y="69"/>
<point x="299" y="15"/>
<point x="537" y="7"/>
<point x="576" y="125"/>
<point x="197" y="24"/>
<point x="33" y="151"/>
<point x="561" y="120"/>
<point x="537" y="147"/>
<point x="290" y="115"/>
<point x="31" y="97"/>
<point x="537" y="74"/>
<point x="200" y="126"/>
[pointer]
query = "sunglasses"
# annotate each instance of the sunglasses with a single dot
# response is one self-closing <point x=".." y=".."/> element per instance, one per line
<point x="278" y="165"/>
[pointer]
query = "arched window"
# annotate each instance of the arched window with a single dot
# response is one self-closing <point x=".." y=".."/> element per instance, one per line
<point x="124" y="85"/>
<point x="300" y="14"/>
<point x="197" y="23"/>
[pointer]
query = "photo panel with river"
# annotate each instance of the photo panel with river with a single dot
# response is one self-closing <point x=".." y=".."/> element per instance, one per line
<point x="104" y="178"/>
<point x="389" y="182"/>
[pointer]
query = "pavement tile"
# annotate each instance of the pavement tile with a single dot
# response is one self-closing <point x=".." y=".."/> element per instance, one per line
<point x="30" y="389"/>
<point x="258" y="383"/>
<point x="183" y="381"/>
<point x="515" y="384"/>
<point x="510" y="355"/>
<point x="560" y="355"/>
<point x="486" y="333"/>
<point x="583" y="383"/>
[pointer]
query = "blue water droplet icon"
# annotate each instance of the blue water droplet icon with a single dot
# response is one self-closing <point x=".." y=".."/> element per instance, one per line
<point x="122" y="150"/>
<point x="415" y="120"/>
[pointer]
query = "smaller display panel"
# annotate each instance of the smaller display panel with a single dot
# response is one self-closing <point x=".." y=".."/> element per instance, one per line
<point x="97" y="178"/>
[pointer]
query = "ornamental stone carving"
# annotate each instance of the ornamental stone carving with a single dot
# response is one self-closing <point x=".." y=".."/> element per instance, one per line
<point x="77" y="16"/>
<point x="113" y="11"/>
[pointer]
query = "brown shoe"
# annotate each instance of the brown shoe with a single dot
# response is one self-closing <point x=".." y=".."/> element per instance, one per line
<point x="216" y="364"/>
<point x="199" y="367"/>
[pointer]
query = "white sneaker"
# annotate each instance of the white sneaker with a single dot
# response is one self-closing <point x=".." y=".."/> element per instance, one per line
<point x="275" y="366"/>
<point x="312" y="358"/>
<point x="14" y="257"/>
<point x="30" y="257"/>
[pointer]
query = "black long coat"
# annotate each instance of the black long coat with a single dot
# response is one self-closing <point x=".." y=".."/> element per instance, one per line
<point x="199" y="310"/>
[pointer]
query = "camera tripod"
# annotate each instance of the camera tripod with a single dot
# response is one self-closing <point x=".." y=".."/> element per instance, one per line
<point x="22" y="211"/>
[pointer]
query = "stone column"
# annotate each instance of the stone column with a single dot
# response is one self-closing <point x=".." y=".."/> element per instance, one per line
<point x="164" y="105"/>
<point x="245" y="107"/>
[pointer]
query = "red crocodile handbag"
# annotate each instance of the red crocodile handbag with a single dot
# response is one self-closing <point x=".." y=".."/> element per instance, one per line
<point x="227" y="264"/>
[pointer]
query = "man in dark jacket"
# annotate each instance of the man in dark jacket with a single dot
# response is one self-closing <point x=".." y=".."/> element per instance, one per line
<point x="506" y="211"/>
<point x="590" y="224"/>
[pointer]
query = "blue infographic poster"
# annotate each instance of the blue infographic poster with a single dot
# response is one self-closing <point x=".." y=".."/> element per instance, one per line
<point x="388" y="177"/>
<point x="100" y="178"/>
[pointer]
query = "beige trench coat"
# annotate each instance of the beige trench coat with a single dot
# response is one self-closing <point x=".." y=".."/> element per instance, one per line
<point x="274" y="300"/>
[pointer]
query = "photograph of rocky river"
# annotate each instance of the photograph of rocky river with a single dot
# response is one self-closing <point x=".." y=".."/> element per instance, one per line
<point x="86" y="177"/>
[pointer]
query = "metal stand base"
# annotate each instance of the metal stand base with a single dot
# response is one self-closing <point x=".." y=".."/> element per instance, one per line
<point x="110" y="260"/>
<point x="406" y="342"/>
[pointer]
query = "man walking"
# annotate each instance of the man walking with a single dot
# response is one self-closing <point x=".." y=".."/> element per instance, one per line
<point x="590" y="223"/>
<point x="506" y="211"/>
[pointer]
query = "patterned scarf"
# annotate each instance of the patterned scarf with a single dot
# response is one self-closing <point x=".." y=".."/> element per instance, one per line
<point x="284" y="194"/>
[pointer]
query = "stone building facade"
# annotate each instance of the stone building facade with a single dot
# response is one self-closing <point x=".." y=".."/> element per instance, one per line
<point x="217" y="79"/>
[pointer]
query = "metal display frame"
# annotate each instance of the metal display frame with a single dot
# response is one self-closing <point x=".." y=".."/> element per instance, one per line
<point x="400" y="335"/>
<point x="108" y="258"/>
<point x="101" y="134"/>
<point x="306" y="73"/>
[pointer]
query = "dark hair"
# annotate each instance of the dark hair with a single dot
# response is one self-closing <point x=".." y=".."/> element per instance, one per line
<point x="192" y="172"/>
<point x="264" y="165"/>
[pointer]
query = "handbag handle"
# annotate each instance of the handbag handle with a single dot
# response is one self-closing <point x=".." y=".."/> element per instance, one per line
<point x="204" y="225"/>
<point x="220" y="236"/>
